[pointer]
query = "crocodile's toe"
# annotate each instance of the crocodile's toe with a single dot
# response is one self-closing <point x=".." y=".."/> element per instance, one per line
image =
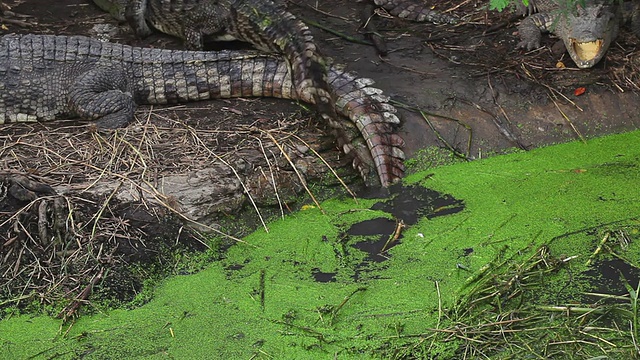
<point x="528" y="44"/>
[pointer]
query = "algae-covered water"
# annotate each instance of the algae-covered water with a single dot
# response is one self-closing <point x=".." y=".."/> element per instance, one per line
<point x="320" y="286"/>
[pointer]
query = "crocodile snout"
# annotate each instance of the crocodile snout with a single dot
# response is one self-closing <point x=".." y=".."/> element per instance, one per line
<point x="588" y="53"/>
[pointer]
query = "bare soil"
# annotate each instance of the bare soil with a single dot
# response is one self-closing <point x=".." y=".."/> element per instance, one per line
<point x="465" y="88"/>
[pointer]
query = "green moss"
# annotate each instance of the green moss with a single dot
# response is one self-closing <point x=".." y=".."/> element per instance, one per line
<point x="430" y="158"/>
<point x="524" y="215"/>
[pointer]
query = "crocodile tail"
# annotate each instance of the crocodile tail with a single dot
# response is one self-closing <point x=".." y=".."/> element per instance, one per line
<point x="415" y="10"/>
<point x="378" y="147"/>
<point x="270" y="27"/>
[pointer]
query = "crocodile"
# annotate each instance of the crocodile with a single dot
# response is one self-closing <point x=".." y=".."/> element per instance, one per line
<point x="266" y="24"/>
<point x="413" y="10"/>
<point x="586" y="28"/>
<point x="48" y="77"/>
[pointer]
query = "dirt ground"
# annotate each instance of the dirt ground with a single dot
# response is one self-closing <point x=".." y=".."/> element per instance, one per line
<point x="478" y="96"/>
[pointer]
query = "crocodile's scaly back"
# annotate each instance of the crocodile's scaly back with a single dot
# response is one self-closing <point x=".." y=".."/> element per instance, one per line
<point x="46" y="77"/>
<point x="264" y="23"/>
<point x="78" y="76"/>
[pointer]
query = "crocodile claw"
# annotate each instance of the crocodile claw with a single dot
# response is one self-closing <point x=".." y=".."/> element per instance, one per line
<point x="528" y="44"/>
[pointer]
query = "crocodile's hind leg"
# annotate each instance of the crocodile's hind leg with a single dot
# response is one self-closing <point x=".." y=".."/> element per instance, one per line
<point x="105" y="95"/>
<point x="206" y="19"/>
<point x="270" y="27"/>
<point x="311" y="82"/>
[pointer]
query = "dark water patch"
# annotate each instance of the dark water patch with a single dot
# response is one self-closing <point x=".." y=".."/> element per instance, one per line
<point x="378" y="232"/>
<point x="379" y="226"/>
<point x="382" y="227"/>
<point x="323" y="277"/>
<point x="407" y="205"/>
<point x="375" y="249"/>
<point x="234" y="267"/>
<point x="611" y="276"/>
<point x="410" y="203"/>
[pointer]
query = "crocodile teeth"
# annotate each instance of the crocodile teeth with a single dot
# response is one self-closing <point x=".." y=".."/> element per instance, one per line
<point x="587" y="50"/>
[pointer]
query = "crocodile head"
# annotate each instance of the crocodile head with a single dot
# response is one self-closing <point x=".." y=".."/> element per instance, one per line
<point x="589" y="32"/>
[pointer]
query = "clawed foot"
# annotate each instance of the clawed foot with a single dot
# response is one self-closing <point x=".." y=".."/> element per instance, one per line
<point x="528" y="44"/>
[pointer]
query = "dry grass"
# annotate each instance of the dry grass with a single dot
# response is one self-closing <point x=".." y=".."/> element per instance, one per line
<point x="114" y="205"/>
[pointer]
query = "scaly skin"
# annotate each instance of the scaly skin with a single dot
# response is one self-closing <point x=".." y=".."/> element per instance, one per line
<point x="192" y="20"/>
<point x="587" y="31"/>
<point x="374" y="119"/>
<point x="264" y="23"/>
<point x="46" y="77"/>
